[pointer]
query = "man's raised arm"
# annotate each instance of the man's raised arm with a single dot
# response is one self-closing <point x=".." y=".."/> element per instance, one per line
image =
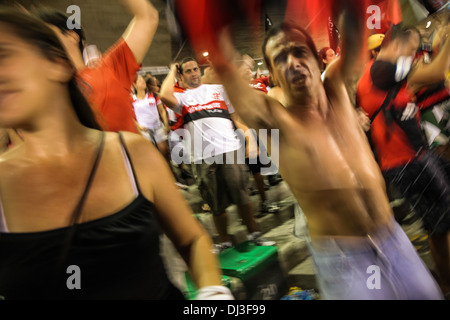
<point x="251" y="105"/>
<point x="435" y="72"/>
<point x="141" y="30"/>
<point x="167" y="88"/>
<point x="350" y="65"/>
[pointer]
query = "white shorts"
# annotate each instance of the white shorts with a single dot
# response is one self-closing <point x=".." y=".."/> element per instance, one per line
<point x="156" y="135"/>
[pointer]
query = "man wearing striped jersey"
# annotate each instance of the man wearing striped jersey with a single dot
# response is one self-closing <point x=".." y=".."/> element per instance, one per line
<point x="213" y="146"/>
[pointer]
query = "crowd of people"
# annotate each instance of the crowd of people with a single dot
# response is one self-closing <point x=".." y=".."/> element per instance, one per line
<point x="93" y="152"/>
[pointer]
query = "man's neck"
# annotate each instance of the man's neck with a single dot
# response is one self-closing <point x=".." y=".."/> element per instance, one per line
<point x="193" y="87"/>
<point x="307" y="102"/>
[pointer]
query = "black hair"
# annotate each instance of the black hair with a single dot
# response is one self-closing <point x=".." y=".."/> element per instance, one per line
<point x="185" y="60"/>
<point x="399" y="32"/>
<point x="323" y="52"/>
<point x="38" y="34"/>
<point x="59" y="20"/>
<point x="285" y="27"/>
<point x="323" y="56"/>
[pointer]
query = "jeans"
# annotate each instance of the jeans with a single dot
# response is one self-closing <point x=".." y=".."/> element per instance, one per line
<point x="379" y="266"/>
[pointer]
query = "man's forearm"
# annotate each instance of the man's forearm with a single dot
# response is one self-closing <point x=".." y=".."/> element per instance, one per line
<point x="351" y="15"/>
<point x="166" y="93"/>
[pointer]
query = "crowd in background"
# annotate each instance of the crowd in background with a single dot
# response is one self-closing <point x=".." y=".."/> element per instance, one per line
<point x="401" y="99"/>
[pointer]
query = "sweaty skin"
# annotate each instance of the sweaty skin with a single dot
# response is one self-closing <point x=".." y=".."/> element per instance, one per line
<point x="337" y="182"/>
<point x="323" y="152"/>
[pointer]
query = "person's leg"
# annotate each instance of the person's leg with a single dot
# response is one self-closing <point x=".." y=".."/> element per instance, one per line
<point x="266" y="206"/>
<point x="221" y="224"/>
<point x="381" y="266"/>
<point x="246" y="212"/>
<point x="236" y="179"/>
<point x="408" y="270"/>
<point x="439" y="246"/>
<point x="260" y="185"/>
<point x="210" y="186"/>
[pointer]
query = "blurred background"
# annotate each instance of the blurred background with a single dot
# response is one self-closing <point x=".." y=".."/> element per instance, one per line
<point x="105" y="20"/>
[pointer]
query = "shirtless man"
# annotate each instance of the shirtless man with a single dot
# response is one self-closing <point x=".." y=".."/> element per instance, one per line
<point x="329" y="166"/>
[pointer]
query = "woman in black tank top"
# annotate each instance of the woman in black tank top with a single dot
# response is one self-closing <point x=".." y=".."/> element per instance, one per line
<point x="82" y="210"/>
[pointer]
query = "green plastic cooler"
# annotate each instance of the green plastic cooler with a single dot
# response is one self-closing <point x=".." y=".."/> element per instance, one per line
<point x="257" y="267"/>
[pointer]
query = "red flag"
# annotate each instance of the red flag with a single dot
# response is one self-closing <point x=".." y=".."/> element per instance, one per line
<point x="201" y="20"/>
<point x="311" y="15"/>
<point x="381" y="14"/>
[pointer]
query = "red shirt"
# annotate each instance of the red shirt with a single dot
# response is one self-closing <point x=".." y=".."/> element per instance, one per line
<point x="392" y="146"/>
<point x="260" y="84"/>
<point x="109" y="87"/>
<point x="179" y="123"/>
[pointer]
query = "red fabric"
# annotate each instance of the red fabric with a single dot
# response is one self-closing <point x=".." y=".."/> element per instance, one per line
<point x="395" y="149"/>
<point x="427" y="98"/>
<point x="390" y="13"/>
<point x="180" y="121"/>
<point x="260" y="84"/>
<point x="110" y="84"/>
<point x="203" y="19"/>
<point x="316" y="14"/>
<point x="178" y="88"/>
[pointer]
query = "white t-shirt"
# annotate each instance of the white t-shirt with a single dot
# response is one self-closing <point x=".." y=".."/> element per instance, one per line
<point x="146" y="111"/>
<point x="206" y="112"/>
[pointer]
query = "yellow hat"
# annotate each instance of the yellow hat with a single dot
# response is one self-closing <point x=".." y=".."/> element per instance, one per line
<point x="375" y="41"/>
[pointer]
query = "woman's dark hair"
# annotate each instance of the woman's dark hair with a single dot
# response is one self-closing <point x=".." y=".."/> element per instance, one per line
<point x="401" y="32"/>
<point x="38" y="34"/>
<point x="151" y="82"/>
<point x="286" y="27"/>
<point x="59" y="20"/>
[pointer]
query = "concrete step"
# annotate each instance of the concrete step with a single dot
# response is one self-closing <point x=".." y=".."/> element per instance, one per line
<point x="291" y="250"/>
<point x="238" y="231"/>
<point x="303" y="275"/>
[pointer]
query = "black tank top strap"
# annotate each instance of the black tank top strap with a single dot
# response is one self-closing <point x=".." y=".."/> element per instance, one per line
<point x="127" y="153"/>
<point x="77" y="211"/>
